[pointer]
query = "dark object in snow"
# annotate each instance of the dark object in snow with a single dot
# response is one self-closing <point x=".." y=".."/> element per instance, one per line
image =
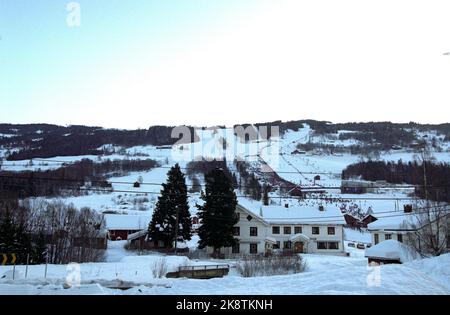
<point x="200" y="272"/>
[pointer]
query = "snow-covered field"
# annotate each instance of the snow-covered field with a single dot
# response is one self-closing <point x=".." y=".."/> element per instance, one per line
<point x="324" y="275"/>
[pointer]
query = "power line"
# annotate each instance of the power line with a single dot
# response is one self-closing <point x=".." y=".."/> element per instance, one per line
<point x="110" y="190"/>
<point x="34" y="178"/>
<point x="183" y="168"/>
<point x="338" y="218"/>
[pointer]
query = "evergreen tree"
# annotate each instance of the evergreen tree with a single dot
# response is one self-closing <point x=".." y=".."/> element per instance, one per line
<point x="217" y="214"/>
<point x="22" y="244"/>
<point x="8" y="233"/>
<point x="40" y="249"/>
<point x="172" y="205"/>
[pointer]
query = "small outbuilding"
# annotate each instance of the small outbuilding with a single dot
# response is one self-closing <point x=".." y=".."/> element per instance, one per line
<point x="120" y="226"/>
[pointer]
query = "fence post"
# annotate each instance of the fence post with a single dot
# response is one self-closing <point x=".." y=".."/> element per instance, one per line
<point x="26" y="268"/>
<point x="14" y="271"/>
<point x="46" y="263"/>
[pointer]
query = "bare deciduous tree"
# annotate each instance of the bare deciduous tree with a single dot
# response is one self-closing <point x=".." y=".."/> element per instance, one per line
<point x="430" y="229"/>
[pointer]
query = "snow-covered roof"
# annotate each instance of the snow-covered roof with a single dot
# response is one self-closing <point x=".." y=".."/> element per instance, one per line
<point x="300" y="215"/>
<point x="270" y="240"/>
<point x="392" y="249"/>
<point x="401" y="221"/>
<point x="299" y="237"/>
<point x="127" y="221"/>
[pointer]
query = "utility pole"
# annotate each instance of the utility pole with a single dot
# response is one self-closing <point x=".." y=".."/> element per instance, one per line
<point x="176" y="231"/>
<point x="424" y="175"/>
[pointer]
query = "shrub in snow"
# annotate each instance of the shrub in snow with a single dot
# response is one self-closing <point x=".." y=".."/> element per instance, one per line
<point x="252" y="266"/>
<point x="159" y="268"/>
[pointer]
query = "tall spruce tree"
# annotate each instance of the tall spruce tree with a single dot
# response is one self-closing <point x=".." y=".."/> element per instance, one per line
<point x="172" y="206"/>
<point x="217" y="214"/>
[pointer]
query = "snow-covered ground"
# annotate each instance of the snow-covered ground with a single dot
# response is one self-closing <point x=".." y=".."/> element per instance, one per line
<point x="324" y="275"/>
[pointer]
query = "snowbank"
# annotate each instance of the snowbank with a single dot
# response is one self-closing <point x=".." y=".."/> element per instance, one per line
<point x="392" y="249"/>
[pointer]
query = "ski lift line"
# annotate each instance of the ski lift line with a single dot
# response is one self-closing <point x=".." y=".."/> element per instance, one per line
<point x="305" y="188"/>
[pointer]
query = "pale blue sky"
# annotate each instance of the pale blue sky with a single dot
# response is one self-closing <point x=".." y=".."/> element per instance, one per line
<point x="135" y="63"/>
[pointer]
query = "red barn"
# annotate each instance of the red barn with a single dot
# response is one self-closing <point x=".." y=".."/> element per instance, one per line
<point x="119" y="226"/>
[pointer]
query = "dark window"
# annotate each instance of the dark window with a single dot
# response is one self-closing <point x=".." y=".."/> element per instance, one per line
<point x="235" y="248"/>
<point x="331" y="230"/>
<point x="236" y="231"/>
<point x="249" y="217"/>
<point x="333" y="245"/>
<point x="387" y="236"/>
<point x="253" y="248"/>
<point x="376" y="239"/>
<point x="277" y="245"/>
<point x="298" y="230"/>
<point x="275" y="230"/>
<point x="287" y="230"/>
<point x="321" y="245"/>
<point x="253" y="231"/>
<point x="287" y="244"/>
<point x="237" y="216"/>
<point x="400" y="238"/>
<point x="315" y="230"/>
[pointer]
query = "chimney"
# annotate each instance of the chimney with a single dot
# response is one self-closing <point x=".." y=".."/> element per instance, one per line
<point x="407" y="208"/>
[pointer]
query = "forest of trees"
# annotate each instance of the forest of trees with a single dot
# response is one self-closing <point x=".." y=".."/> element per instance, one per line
<point x="205" y="166"/>
<point x="413" y="173"/>
<point x="44" y="141"/>
<point x="40" y="231"/>
<point x="248" y="183"/>
<point x="68" y="179"/>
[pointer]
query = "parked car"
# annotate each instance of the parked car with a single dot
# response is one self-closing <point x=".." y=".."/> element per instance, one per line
<point x="368" y="245"/>
<point x="360" y="246"/>
<point x="351" y="244"/>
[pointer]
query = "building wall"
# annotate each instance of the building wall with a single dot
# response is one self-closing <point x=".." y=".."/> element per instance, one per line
<point x="386" y="235"/>
<point x="120" y="234"/>
<point x="244" y="237"/>
<point x="265" y="230"/>
<point x="311" y="246"/>
<point x="408" y="237"/>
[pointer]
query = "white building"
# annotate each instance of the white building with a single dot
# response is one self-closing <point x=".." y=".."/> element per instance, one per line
<point x="301" y="229"/>
<point x="402" y="227"/>
<point x="392" y="227"/>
